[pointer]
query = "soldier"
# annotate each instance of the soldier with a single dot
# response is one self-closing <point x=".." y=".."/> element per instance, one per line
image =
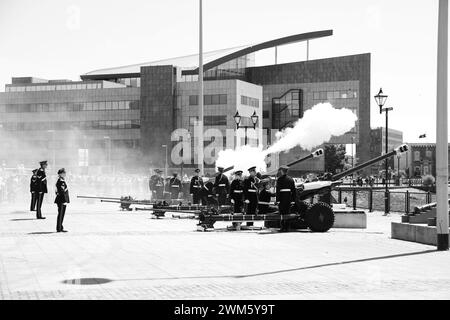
<point x="175" y="186"/>
<point x="265" y="197"/>
<point x="221" y="187"/>
<point x="195" y="188"/>
<point x="41" y="188"/>
<point x="62" y="199"/>
<point x="34" y="190"/>
<point x="237" y="192"/>
<point x="286" y="194"/>
<point x="156" y="185"/>
<point x="251" y="192"/>
<point x="208" y="194"/>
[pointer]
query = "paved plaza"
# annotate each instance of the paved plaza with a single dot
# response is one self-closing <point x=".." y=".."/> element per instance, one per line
<point x="109" y="254"/>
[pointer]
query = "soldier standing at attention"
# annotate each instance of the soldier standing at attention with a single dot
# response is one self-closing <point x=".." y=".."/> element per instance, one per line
<point x="34" y="190"/>
<point x="286" y="194"/>
<point x="251" y="192"/>
<point x="237" y="192"/>
<point x="41" y="188"/>
<point x="195" y="188"/>
<point x="221" y="187"/>
<point x="175" y="186"/>
<point x="62" y="199"/>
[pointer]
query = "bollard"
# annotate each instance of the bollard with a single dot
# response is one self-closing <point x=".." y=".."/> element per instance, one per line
<point x="370" y="200"/>
<point x="407" y="208"/>
<point x="340" y="196"/>
<point x="354" y="199"/>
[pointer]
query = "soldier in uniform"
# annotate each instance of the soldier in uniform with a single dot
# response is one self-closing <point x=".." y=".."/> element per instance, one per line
<point x="286" y="194"/>
<point x="221" y="187"/>
<point x="265" y="197"/>
<point x="251" y="192"/>
<point x="62" y="199"/>
<point x="41" y="188"/>
<point x="208" y="194"/>
<point x="195" y="188"/>
<point x="34" y="190"/>
<point x="156" y="185"/>
<point x="237" y="192"/>
<point x="175" y="186"/>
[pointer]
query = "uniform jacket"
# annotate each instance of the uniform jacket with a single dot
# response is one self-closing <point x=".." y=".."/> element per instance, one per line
<point x="237" y="189"/>
<point x="156" y="182"/>
<point x="265" y="196"/>
<point x="221" y="184"/>
<point x="41" y="181"/>
<point x="62" y="192"/>
<point x="34" y="187"/>
<point x="283" y="183"/>
<point x="250" y="183"/>
<point x="175" y="184"/>
<point x="196" y="185"/>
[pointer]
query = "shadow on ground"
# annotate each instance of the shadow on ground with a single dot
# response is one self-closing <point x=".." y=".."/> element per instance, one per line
<point x="93" y="281"/>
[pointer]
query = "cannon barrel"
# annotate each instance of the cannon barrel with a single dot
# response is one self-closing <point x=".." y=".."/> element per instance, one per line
<point x="315" y="154"/>
<point x="401" y="149"/>
<point x="92" y="197"/>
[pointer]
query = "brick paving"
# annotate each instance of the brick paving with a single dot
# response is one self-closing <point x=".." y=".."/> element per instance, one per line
<point x="109" y="254"/>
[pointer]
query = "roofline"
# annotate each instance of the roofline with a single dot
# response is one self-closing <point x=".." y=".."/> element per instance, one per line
<point x="109" y="75"/>
<point x="265" y="45"/>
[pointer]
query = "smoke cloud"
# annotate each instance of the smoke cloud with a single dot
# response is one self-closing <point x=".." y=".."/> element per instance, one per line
<point x="316" y="127"/>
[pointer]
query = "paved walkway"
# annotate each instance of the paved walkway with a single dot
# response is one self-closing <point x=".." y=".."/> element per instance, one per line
<point x="108" y="254"/>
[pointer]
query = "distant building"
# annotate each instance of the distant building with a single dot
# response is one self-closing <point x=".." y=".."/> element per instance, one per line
<point x="122" y="117"/>
<point x="378" y="145"/>
<point x="421" y="159"/>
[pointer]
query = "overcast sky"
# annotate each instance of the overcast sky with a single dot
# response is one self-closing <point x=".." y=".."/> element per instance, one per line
<point x="61" y="39"/>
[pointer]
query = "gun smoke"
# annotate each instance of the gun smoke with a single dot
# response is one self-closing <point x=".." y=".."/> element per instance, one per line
<point x="318" y="125"/>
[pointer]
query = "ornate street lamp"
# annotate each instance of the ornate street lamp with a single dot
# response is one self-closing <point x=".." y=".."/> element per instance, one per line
<point x="237" y="120"/>
<point x="381" y="98"/>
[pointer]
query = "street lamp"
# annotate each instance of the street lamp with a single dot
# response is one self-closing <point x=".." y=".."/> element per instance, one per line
<point x="237" y="120"/>
<point x="381" y="98"/>
<point x="165" y="167"/>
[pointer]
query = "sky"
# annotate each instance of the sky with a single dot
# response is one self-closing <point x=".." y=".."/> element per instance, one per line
<point x="61" y="39"/>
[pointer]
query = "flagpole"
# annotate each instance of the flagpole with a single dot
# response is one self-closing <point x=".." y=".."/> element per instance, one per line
<point x="200" y="92"/>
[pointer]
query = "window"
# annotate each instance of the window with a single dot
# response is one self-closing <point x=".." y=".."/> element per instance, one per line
<point x="215" y="120"/>
<point x="252" y="102"/>
<point x="266" y="114"/>
<point x="416" y="155"/>
<point x="223" y="99"/>
<point x="207" y="99"/>
<point x="193" y="100"/>
<point x="429" y="154"/>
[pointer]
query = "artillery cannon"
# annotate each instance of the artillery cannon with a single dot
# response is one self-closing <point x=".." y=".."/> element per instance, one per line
<point x="318" y="217"/>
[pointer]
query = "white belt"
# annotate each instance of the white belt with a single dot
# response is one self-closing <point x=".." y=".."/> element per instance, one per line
<point x="285" y="190"/>
<point x="44" y="178"/>
<point x="209" y="195"/>
<point x="196" y="186"/>
<point x="237" y="191"/>
<point x="159" y="185"/>
<point x="251" y="190"/>
<point x="263" y="202"/>
<point x="175" y="186"/>
<point x="221" y="185"/>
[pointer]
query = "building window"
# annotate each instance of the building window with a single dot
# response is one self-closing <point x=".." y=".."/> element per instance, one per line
<point x="266" y="114"/>
<point x="287" y="109"/>
<point x="429" y="154"/>
<point x="193" y="100"/>
<point x="416" y="155"/>
<point x="248" y="101"/>
<point x="215" y="120"/>
<point x="209" y="99"/>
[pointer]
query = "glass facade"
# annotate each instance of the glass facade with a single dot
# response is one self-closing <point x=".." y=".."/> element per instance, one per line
<point x="70" y="106"/>
<point x="333" y="95"/>
<point x="209" y="99"/>
<point x="53" y="87"/>
<point x="248" y="101"/>
<point x="287" y="109"/>
<point x="69" y="125"/>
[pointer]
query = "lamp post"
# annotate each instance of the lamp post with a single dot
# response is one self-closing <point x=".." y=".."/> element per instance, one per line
<point x="353" y="154"/>
<point x="237" y="120"/>
<point x="381" y="98"/>
<point x="200" y="92"/>
<point x="165" y="166"/>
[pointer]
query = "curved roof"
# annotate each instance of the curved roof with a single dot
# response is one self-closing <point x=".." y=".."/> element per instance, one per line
<point x="265" y="45"/>
<point x="211" y="59"/>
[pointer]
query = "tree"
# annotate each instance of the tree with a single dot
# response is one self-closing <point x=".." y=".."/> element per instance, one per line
<point x="334" y="157"/>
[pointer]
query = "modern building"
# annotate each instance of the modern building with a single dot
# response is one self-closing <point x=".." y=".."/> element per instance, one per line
<point x="138" y="116"/>
<point x="378" y="146"/>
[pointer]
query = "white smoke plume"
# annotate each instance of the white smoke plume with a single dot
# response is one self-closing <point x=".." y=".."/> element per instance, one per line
<point x="242" y="158"/>
<point x="316" y="127"/>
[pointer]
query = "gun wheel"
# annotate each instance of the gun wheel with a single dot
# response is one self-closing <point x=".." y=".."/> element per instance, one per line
<point x="320" y="217"/>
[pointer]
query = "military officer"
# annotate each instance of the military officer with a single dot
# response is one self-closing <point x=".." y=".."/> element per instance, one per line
<point x="34" y="190"/>
<point x="62" y="199"/>
<point x="195" y="188"/>
<point x="41" y="188"/>
<point x="175" y="186"/>
<point x="286" y="194"/>
<point x="265" y="197"/>
<point x="251" y="192"/>
<point x="221" y="186"/>
<point x="156" y="185"/>
<point x="237" y="192"/>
